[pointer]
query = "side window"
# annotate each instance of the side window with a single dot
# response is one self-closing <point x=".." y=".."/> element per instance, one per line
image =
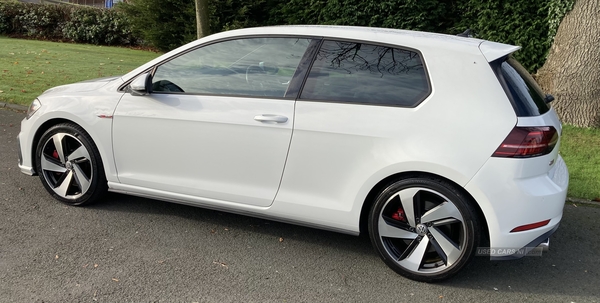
<point x="246" y="67"/>
<point x="366" y="74"/>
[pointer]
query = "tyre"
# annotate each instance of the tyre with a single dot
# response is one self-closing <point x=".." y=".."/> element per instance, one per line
<point x="69" y="165"/>
<point x="424" y="228"/>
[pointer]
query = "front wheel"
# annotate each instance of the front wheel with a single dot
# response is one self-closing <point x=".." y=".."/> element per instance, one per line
<point x="69" y="165"/>
<point x="424" y="228"/>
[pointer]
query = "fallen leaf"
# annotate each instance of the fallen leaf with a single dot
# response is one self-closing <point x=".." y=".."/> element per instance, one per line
<point x="220" y="263"/>
<point x="95" y="265"/>
<point x="496" y="289"/>
<point x="56" y="257"/>
<point x="574" y="204"/>
<point x="596" y="199"/>
<point x="116" y="280"/>
<point x="280" y="239"/>
<point x="441" y="297"/>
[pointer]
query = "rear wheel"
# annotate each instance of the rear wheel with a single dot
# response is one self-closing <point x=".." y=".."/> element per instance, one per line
<point x="424" y="228"/>
<point x="69" y="165"/>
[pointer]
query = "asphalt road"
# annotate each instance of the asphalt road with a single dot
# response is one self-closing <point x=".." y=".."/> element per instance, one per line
<point x="129" y="249"/>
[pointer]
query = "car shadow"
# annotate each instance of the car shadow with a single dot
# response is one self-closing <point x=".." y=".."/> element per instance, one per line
<point x="570" y="268"/>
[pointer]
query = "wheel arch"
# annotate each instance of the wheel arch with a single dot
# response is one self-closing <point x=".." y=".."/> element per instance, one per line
<point x="372" y="196"/>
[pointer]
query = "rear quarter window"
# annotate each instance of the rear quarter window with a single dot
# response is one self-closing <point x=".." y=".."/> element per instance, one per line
<point x="361" y="73"/>
<point x="523" y="92"/>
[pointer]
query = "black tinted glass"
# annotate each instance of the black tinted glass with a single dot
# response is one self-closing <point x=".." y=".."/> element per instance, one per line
<point x="524" y="92"/>
<point x="367" y="74"/>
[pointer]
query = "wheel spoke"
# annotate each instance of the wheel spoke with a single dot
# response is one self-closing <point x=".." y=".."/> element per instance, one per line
<point x="414" y="260"/>
<point x="64" y="185"/>
<point x="443" y="211"/>
<point x="81" y="178"/>
<point x="51" y="165"/>
<point x="387" y="230"/>
<point x="80" y="152"/>
<point x="408" y="203"/>
<point x="449" y="248"/>
<point x="58" y="144"/>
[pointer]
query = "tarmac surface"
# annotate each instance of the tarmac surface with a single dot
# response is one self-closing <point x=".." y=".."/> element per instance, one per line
<point x="129" y="249"/>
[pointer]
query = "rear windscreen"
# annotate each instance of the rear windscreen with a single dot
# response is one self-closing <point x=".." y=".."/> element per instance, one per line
<point x="524" y="93"/>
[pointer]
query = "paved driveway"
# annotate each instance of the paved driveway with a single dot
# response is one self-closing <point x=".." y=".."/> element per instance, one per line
<point x="133" y="249"/>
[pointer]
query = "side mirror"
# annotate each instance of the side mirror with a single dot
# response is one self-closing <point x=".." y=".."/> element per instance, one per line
<point x="141" y="86"/>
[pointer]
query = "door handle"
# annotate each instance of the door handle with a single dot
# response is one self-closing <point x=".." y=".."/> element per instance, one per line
<point x="267" y="118"/>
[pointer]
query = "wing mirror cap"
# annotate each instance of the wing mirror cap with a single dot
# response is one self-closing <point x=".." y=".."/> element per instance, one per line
<point x="141" y="86"/>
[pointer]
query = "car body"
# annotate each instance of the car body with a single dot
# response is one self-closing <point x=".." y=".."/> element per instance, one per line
<point x="339" y="128"/>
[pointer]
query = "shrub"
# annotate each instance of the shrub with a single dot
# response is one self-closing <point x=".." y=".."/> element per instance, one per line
<point x="532" y="24"/>
<point x="98" y="26"/>
<point x="41" y="21"/>
<point x="66" y="22"/>
<point x="164" y="24"/>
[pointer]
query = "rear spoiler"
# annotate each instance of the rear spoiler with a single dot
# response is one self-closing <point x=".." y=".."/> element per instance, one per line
<point x="494" y="50"/>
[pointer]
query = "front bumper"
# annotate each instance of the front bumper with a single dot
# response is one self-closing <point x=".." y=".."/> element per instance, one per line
<point x="25" y="161"/>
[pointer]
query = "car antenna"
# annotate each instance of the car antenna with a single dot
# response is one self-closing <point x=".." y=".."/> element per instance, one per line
<point x="468" y="33"/>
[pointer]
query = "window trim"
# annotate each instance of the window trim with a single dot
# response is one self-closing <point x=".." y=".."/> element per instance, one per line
<point x="343" y="40"/>
<point x="311" y="48"/>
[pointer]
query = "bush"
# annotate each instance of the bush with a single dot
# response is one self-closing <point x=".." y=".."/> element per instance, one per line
<point x="530" y="24"/>
<point x="163" y="24"/>
<point x="424" y="15"/>
<point x="65" y="22"/>
<point x="8" y="13"/>
<point x="98" y="26"/>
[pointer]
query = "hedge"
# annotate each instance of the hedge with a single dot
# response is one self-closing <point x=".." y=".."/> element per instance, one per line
<point x="167" y="24"/>
<point x="66" y="23"/>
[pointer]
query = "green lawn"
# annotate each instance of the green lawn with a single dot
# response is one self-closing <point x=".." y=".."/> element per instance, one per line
<point x="29" y="67"/>
<point x="580" y="147"/>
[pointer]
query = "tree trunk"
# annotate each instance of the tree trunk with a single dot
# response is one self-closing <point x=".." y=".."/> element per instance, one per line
<point x="202" y="18"/>
<point x="572" y="71"/>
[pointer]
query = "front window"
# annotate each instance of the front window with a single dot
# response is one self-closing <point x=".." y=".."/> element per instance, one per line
<point x="243" y="67"/>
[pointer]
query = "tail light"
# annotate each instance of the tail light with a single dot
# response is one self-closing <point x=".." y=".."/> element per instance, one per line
<point x="525" y="142"/>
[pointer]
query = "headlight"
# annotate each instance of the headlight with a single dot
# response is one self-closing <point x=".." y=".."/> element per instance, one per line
<point x="35" y="105"/>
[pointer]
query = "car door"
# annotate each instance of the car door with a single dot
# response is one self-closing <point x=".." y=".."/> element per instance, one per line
<point x="217" y="124"/>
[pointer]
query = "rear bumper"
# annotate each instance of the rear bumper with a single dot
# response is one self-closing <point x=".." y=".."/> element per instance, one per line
<point x="511" y="195"/>
<point x="540" y="244"/>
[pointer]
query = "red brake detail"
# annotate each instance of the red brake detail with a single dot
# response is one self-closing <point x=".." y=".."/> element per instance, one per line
<point x="55" y="154"/>
<point x="399" y="215"/>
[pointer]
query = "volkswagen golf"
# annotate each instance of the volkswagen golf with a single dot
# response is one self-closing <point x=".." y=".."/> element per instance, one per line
<point x="433" y="145"/>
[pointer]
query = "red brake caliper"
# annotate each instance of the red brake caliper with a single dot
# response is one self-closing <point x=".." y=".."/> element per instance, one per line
<point x="55" y="154"/>
<point x="399" y="215"/>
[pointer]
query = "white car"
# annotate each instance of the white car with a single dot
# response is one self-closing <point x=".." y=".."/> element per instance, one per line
<point x="434" y="145"/>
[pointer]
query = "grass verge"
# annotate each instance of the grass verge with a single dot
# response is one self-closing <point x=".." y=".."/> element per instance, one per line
<point x="29" y="67"/>
<point x="580" y="147"/>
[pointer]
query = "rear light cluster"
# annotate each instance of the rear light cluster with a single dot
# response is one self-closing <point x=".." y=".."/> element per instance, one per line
<point x="525" y="142"/>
